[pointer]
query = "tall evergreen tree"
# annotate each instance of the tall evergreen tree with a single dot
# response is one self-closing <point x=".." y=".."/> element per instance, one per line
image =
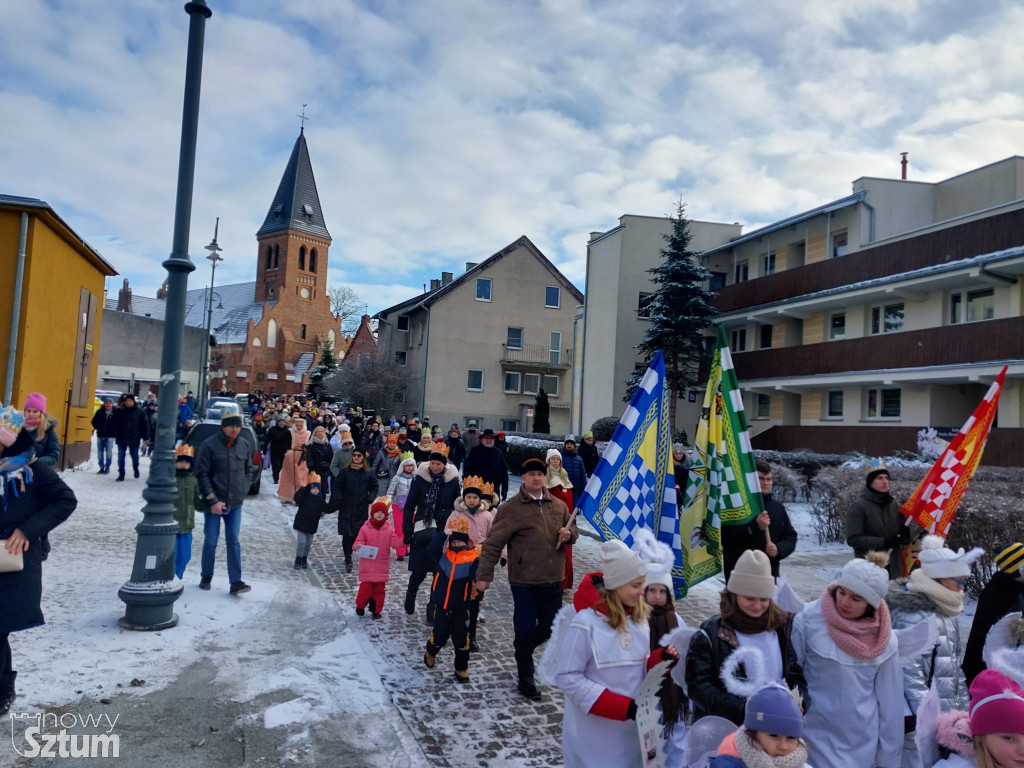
<point x="680" y="312"/>
<point x="328" y="364"/>
<point x="542" y="413"/>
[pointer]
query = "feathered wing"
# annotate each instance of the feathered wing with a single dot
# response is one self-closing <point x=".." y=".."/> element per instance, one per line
<point x="652" y="551"/>
<point x="917" y="640"/>
<point x="927" y="727"/>
<point x="786" y="597"/>
<point x="1004" y="647"/>
<point x="680" y="638"/>
<point x="754" y="678"/>
<point x="548" y="665"/>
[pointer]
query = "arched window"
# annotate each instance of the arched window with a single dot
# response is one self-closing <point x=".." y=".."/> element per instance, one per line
<point x="330" y="338"/>
<point x="256" y="341"/>
<point x="270" y="256"/>
<point x="302" y="331"/>
<point x="302" y="257"/>
<point x="312" y="260"/>
<point x="277" y="254"/>
<point x="272" y="333"/>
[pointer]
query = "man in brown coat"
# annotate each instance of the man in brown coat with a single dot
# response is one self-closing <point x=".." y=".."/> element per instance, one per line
<point x="534" y="525"/>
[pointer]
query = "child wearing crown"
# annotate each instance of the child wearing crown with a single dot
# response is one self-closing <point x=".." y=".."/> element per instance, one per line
<point x="312" y="505"/>
<point x="474" y="507"/>
<point x="375" y="570"/>
<point x="452" y="594"/>
<point x="185" y="506"/>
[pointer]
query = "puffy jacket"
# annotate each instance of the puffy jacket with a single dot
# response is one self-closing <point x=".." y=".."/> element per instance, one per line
<point x="942" y="664"/>
<point x="452" y="588"/>
<point x="872" y="518"/>
<point x="132" y="426"/>
<point x="478" y="522"/>
<point x="385" y="539"/>
<point x="401" y="482"/>
<point x="572" y="463"/>
<point x="529" y="527"/>
<point x="47" y="449"/>
<point x="310" y="508"/>
<point x="105" y="423"/>
<point x="351" y="495"/>
<point x="188" y="498"/>
<point x="224" y="472"/>
<point x="1002" y="595"/>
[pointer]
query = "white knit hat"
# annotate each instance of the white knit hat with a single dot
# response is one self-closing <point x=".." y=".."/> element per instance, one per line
<point x="865" y="579"/>
<point x="752" y="576"/>
<point x="552" y="452"/>
<point x="620" y="564"/>
<point x="939" y="562"/>
<point x="659" y="576"/>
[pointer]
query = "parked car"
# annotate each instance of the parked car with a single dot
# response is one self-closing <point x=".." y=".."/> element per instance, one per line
<point x="215" y="405"/>
<point x="202" y="430"/>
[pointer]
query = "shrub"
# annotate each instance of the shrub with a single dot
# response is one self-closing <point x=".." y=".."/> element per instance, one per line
<point x="604" y="428"/>
<point x="521" y="448"/>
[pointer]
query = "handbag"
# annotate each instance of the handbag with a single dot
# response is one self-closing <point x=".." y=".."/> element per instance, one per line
<point x="423" y="531"/>
<point x="10" y="563"/>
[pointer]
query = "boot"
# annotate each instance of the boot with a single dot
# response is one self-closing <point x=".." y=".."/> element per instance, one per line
<point x="410" y="602"/>
<point x="120" y="476"/>
<point x="305" y="564"/>
<point x="136" y="472"/>
<point x="400" y="558"/>
<point x="430" y="656"/>
<point x="7" y="691"/>
<point x="529" y="688"/>
<point x="348" y="563"/>
<point x="360" y="611"/>
<point x="461" y="675"/>
<point x="376" y="615"/>
<point x="204" y="582"/>
<point x="298" y="563"/>
<point x="371" y="604"/>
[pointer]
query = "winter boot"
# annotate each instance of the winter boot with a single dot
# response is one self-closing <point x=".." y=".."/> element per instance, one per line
<point x="298" y="563"/>
<point x="204" y="582"/>
<point x="529" y="688"/>
<point x="376" y="616"/>
<point x="461" y="675"/>
<point x="400" y="558"/>
<point x="360" y="611"/>
<point x="410" y="602"/>
<point x="430" y="655"/>
<point x="239" y="588"/>
<point x="120" y="476"/>
<point x="136" y="472"/>
<point x="7" y="691"/>
<point x="305" y="564"/>
<point x="371" y="604"/>
<point x="348" y="563"/>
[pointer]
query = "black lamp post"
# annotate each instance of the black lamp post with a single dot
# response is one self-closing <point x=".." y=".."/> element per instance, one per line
<point x="150" y="594"/>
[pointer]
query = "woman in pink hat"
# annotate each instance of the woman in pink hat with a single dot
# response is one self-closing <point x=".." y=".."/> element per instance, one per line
<point x="43" y="428"/>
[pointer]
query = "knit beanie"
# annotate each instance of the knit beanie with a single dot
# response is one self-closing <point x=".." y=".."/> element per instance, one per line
<point x="231" y="416"/>
<point x="1011" y="559"/>
<point x="773" y="710"/>
<point x="552" y="452"/>
<point x="620" y="565"/>
<point x="36" y="400"/>
<point x="872" y="469"/>
<point x="752" y="577"/>
<point x="380" y="504"/>
<point x="866" y="579"/>
<point x="997" y="704"/>
<point x="659" y="576"/>
<point x="939" y="562"/>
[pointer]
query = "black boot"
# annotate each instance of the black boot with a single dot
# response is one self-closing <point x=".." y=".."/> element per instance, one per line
<point x="120" y="476"/>
<point x="305" y="564"/>
<point x="372" y="605"/>
<point x="348" y="563"/>
<point x="529" y="688"/>
<point x="136" y="468"/>
<point x="298" y="563"/>
<point x="6" y="691"/>
<point x="410" y="602"/>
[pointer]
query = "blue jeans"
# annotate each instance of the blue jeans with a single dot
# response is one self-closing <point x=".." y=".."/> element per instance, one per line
<point x="211" y="533"/>
<point x="134" y="450"/>
<point x="105" y="451"/>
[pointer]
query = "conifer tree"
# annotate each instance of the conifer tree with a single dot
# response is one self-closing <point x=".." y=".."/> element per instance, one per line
<point x="542" y="413"/>
<point x="328" y="364"/>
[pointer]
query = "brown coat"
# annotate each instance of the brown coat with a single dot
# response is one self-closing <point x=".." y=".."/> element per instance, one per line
<point x="530" y="530"/>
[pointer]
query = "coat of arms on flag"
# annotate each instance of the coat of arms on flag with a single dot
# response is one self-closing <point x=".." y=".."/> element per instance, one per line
<point x="633" y="485"/>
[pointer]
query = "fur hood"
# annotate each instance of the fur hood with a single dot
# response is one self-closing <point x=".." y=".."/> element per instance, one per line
<point x="450" y="472"/>
<point x="899" y="598"/>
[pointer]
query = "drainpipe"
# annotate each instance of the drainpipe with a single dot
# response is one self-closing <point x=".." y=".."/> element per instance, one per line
<point x="19" y="277"/>
<point x="871" y="210"/>
<point x="426" y="359"/>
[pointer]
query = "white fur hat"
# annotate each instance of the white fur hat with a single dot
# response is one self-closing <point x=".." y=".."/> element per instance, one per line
<point x="939" y="562"/>
<point x="620" y="564"/>
<point x="865" y="579"/>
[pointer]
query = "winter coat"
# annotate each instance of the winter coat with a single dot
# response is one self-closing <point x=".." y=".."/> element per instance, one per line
<point x="398" y="488"/>
<point x="310" y="509"/>
<point x="1002" y="595"/>
<point x="224" y="473"/>
<point x="871" y="698"/>
<point x="572" y="463"/>
<point x="955" y="761"/>
<point x="530" y="529"/>
<point x="294" y="470"/>
<point x="737" y="539"/>
<point x="105" y="423"/>
<point x="384" y="468"/>
<point x="41" y="505"/>
<point x="709" y="648"/>
<point x="373" y="443"/>
<point x="454" y="575"/>
<point x="385" y="539"/>
<point x="872" y="518"/>
<point x="342" y="458"/>
<point x="318" y="458"/>
<point x="279" y="439"/>
<point x="593" y="659"/>
<point x="47" y="449"/>
<point x="353" y="492"/>
<point x="416" y="509"/>
<point x="457" y="450"/>
<point x="940" y="665"/>
<point x="478" y="522"/>
<point x="590" y="456"/>
<point x="471" y="438"/>
<point x="131" y="426"/>
<point x="188" y="499"/>
<point x="488" y="463"/>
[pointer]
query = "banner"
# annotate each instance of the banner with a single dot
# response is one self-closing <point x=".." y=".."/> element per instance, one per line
<point x="722" y="487"/>
<point x="633" y="485"/>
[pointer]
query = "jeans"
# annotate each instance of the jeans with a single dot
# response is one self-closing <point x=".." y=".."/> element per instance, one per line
<point x="304" y="544"/>
<point x="534" y="611"/>
<point x="105" y="451"/>
<point x="211" y="533"/>
<point x="134" y="450"/>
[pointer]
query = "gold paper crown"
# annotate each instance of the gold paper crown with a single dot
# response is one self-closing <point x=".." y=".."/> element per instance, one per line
<point x="459" y="525"/>
<point x="441" y="448"/>
<point x="185" y="450"/>
<point x="312" y="477"/>
<point x="488" y="489"/>
<point x="473" y="481"/>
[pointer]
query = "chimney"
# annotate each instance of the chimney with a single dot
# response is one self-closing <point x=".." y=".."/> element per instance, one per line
<point x="446" y="277"/>
<point x="470" y="265"/>
<point x="903" y="165"/>
<point x="435" y="284"/>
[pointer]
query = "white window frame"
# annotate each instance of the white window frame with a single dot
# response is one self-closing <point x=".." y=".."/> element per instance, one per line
<point x="535" y="390"/>
<point x="508" y="337"/>
<point x="768" y="263"/>
<point x="738" y="340"/>
<point x="398" y="323"/>
<point x="468" y="380"/>
<point x="876" y="318"/>
<point x="879" y="404"/>
<point x="963" y="305"/>
<point x="551" y="392"/>
<point x="741" y="272"/>
<point x="555" y="350"/>
<point x="401" y="358"/>
<point x="840" y="249"/>
<point x="558" y="298"/>
<point x="519" y="382"/>
<point x="831" y="334"/>
<point x="480" y="281"/>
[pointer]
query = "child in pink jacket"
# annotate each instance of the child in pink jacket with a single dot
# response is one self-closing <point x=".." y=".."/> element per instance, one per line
<point x="374" y="572"/>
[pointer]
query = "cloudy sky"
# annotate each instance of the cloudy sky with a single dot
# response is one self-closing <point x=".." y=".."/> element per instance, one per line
<point x="442" y="130"/>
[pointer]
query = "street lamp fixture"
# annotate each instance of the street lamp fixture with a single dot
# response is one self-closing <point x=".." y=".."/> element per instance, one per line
<point x="214" y="258"/>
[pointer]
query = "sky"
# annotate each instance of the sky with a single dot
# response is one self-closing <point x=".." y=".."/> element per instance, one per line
<point x="441" y="131"/>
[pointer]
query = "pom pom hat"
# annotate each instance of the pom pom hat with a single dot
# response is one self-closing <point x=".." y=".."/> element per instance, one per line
<point x="773" y="710"/>
<point x="380" y="504"/>
<point x="997" y="704"/>
<point x="866" y="579"/>
<point x="938" y="562"/>
<point x="620" y="564"/>
<point x="752" y="576"/>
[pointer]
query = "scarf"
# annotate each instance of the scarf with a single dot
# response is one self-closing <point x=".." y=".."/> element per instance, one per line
<point x="554" y="479"/>
<point x="862" y="638"/>
<point x="673" y="701"/>
<point x="433" y="498"/>
<point x="319" y="440"/>
<point x="948" y="602"/>
<point x="391" y="449"/>
<point x="378" y="524"/>
<point x="751" y="753"/>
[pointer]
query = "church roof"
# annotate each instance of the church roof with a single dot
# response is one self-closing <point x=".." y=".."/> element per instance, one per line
<point x="228" y="325"/>
<point x="296" y="204"/>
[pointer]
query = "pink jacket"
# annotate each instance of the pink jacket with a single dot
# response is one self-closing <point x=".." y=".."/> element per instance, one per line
<point x="384" y="539"/>
<point x="479" y="524"/>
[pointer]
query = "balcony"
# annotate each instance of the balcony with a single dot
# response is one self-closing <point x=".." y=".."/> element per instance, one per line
<point x="949" y="345"/>
<point x="535" y="357"/>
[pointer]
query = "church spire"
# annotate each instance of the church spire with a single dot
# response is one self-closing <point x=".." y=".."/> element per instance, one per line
<point x="296" y="205"/>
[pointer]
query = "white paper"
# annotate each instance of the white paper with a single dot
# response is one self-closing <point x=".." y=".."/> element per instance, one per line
<point x="366" y="551"/>
<point x="648" y="717"/>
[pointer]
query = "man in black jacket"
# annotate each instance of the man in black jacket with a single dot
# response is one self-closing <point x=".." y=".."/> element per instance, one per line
<point x="225" y="470"/>
<point x="132" y="428"/>
<point x="1003" y="594"/>
<point x="771" y="524"/>
<point x="104" y="421"/>
<point x="488" y="462"/>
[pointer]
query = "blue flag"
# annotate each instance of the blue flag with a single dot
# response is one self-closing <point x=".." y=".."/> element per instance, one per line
<point x="634" y="483"/>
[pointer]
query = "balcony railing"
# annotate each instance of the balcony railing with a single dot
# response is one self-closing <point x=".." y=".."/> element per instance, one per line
<point x="536" y="355"/>
<point x="949" y="345"/>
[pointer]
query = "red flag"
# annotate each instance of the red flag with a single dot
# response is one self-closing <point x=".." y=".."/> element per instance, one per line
<point x="933" y="505"/>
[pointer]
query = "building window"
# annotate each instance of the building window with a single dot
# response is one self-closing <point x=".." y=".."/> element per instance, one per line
<point x="837" y="326"/>
<point x="302" y="331"/>
<point x="883" y="404"/>
<point x="643" y="305"/>
<point x="742" y="272"/>
<point x="277" y="256"/>
<point x="764" y="406"/>
<point x="401" y="358"/>
<point x="475" y="380"/>
<point x="834" y="403"/>
<point x="555" y="350"/>
<point x="768" y="263"/>
<point x="553" y="296"/>
<point x="971" y="306"/>
<point x="402" y="324"/>
<point x="551" y="385"/>
<point x="513" y="380"/>
<point x="887" y="319"/>
<point x="717" y="281"/>
<point x="483" y="289"/>
<point x="509" y="425"/>
<point x="270" y="258"/>
<point x="302" y="257"/>
<point x="531" y="383"/>
<point x="312" y="260"/>
<point x="272" y="333"/>
<point x="766" y="337"/>
<point x="739" y="340"/>
<point x="423" y="332"/>
<point x="839" y="247"/>
<point x="514" y="338"/>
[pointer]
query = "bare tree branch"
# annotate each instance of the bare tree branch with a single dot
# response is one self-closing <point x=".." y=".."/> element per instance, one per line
<point x="347" y="307"/>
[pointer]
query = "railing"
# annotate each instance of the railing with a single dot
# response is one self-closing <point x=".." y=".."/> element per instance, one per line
<point x="536" y="354"/>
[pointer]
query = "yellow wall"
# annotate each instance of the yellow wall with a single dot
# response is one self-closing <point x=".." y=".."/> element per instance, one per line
<point x="817" y="249"/>
<point x="814" y="328"/>
<point x="810" y="407"/>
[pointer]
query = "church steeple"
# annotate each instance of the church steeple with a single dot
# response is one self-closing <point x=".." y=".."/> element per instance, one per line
<point x="296" y="205"/>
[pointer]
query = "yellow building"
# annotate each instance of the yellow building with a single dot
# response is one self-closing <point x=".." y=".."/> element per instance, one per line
<point x="51" y="294"/>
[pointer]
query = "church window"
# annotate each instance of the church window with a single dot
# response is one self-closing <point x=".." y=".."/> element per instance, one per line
<point x="256" y="342"/>
<point x="272" y="333"/>
<point x="277" y="254"/>
<point x="312" y="260"/>
<point x="302" y="257"/>
<point x="331" y="338"/>
<point x="270" y="257"/>
<point x="302" y="331"/>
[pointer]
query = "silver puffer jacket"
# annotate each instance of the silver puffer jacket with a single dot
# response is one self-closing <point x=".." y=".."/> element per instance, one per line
<point x="940" y="665"/>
